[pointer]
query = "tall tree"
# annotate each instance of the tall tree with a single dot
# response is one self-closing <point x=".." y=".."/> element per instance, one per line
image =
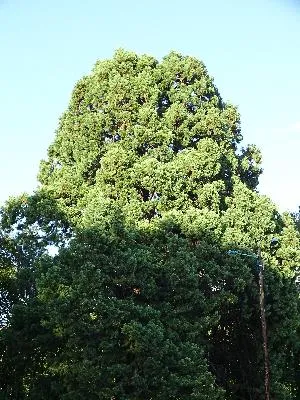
<point x="153" y="136"/>
<point x="145" y="191"/>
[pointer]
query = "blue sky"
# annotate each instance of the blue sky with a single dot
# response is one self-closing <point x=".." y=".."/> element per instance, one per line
<point x="250" y="48"/>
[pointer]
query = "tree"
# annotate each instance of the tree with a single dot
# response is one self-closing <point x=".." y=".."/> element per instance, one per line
<point x="148" y="192"/>
<point x="29" y="225"/>
<point x="146" y="134"/>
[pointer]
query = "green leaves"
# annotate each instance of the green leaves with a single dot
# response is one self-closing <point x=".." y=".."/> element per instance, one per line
<point x="131" y="109"/>
<point x="115" y="279"/>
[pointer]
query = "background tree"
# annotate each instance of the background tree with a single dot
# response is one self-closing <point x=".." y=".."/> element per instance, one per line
<point x="29" y="225"/>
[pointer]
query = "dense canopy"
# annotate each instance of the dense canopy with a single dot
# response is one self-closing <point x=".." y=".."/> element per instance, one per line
<point x="116" y="282"/>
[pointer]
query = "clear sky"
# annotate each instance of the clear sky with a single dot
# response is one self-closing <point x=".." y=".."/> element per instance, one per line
<point x="251" y="48"/>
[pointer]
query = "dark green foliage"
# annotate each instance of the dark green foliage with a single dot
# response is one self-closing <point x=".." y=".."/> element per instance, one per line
<point x="142" y="195"/>
<point x="296" y="218"/>
<point x="125" y="314"/>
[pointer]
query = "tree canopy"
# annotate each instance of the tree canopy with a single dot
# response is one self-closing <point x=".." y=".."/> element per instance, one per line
<point x="144" y="191"/>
